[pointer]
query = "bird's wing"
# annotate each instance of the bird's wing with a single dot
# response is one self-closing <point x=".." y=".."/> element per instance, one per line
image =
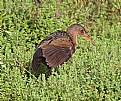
<point x="55" y="48"/>
<point x="57" y="51"/>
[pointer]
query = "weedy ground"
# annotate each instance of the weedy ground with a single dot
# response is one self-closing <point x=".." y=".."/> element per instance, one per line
<point x="92" y="74"/>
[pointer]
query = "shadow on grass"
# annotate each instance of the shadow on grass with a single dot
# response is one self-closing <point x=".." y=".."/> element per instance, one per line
<point x="29" y="72"/>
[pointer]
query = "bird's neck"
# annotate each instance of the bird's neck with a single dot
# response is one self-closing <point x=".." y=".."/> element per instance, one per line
<point x="73" y="38"/>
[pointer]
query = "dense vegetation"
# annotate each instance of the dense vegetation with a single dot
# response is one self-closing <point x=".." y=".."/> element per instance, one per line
<point x="93" y="73"/>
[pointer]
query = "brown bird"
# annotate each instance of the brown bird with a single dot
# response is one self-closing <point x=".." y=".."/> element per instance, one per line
<point x="58" y="47"/>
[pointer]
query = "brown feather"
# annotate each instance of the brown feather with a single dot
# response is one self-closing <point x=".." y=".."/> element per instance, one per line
<point x="58" y="60"/>
<point x="56" y="55"/>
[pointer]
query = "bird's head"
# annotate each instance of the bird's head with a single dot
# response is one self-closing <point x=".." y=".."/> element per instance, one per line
<point x="77" y="29"/>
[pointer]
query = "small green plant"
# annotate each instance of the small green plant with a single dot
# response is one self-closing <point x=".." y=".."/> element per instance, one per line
<point x="93" y="73"/>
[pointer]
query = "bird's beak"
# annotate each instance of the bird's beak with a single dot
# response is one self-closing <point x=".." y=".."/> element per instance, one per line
<point x="88" y="38"/>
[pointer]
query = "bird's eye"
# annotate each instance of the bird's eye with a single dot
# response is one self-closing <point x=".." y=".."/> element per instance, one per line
<point x="82" y="31"/>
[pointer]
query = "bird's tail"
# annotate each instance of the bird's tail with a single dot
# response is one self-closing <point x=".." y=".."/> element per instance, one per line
<point x="37" y="59"/>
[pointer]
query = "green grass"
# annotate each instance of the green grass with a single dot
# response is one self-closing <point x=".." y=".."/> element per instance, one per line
<point x="92" y="74"/>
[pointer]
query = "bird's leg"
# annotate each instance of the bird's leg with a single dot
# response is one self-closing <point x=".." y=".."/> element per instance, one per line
<point x="48" y="72"/>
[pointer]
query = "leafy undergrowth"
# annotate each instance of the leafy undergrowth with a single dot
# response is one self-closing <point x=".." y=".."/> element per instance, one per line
<point x="93" y="72"/>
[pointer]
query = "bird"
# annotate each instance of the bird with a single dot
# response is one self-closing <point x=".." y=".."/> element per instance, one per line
<point x="58" y="47"/>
